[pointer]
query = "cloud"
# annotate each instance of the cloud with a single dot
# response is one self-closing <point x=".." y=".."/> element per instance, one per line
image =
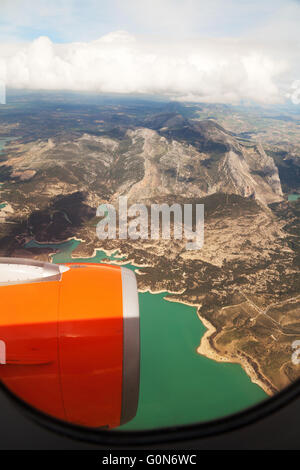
<point x="221" y="50"/>
<point x="294" y="94"/>
<point x="207" y="70"/>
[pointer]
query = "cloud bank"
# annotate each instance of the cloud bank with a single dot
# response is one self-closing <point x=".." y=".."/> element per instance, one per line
<point x="206" y="70"/>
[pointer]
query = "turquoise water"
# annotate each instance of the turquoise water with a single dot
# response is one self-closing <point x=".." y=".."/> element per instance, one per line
<point x="2" y="144"/>
<point x="4" y="141"/>
<point x="65" y="248"/>
<point x="2" y="205"/>
<point x="293" y="197"/>
<point x="177" y="385"/>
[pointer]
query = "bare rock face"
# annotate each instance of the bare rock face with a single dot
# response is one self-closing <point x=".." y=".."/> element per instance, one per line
<point x="173" y="167"/>
<point x="191" y="159"/>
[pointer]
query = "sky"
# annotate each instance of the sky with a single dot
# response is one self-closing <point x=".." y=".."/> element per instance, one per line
<point x="226" y="51"/>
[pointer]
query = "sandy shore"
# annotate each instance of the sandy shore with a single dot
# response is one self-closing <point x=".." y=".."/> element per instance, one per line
<point x="108" y="253"/>
<point x="206" y="350"/>
<point x="162" y="291"/>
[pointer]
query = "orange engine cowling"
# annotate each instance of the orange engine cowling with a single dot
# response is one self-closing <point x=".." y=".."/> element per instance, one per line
<point x="69" y="339"/>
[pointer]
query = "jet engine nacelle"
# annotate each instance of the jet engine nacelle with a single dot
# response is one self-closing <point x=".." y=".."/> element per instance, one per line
<point x="69" y="339"/>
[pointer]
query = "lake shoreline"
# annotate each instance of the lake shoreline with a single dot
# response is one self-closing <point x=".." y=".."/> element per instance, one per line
<point x="205" y="347"/>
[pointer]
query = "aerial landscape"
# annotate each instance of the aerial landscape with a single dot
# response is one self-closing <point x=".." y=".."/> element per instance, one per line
<point x="61" y="160"/>
<point x="228" y="312"/>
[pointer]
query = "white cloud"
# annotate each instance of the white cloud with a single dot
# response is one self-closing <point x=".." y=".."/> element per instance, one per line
<point x="211" y="70"/>
<point x="294" y="94"/>
<point x="251" y="50"/>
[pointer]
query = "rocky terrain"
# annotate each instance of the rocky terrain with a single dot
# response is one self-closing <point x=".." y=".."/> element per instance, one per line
<point x="144" y="164"/>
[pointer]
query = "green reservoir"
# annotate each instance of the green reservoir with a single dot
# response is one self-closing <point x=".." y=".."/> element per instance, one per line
<point x="2" y="144"/>
<point x="4" y="141"/>
<point x="293" y="197"/>
<point x="178" y="386"/>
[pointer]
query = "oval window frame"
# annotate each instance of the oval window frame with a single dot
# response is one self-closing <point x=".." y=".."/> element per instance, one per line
<point x="163" y="435"/>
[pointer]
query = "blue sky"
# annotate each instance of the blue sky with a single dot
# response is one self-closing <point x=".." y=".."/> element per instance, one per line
<point x="85" y="20"/>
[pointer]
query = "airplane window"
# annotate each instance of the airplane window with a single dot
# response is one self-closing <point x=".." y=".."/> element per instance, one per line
<point x="167" y="169"/>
